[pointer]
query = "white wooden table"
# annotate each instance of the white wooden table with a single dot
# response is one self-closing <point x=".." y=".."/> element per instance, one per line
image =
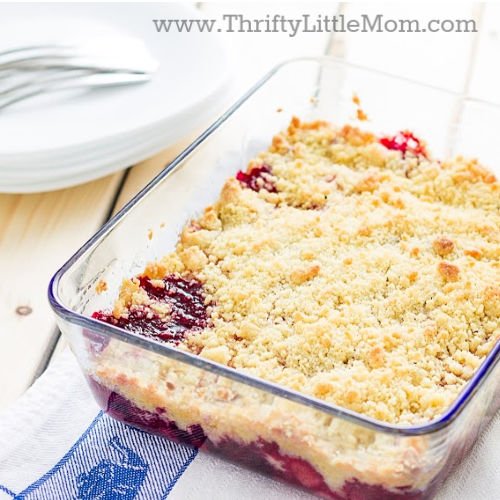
<point x="39" y="232"/>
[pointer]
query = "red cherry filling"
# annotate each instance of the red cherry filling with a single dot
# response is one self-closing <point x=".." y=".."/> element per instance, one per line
<point x="140" y="319"/>
<point x="185" y="298"/>
<point x="258" y="178"/>
<point x="264" y="456"/>
<point x="124" y="410"/>
<point x="187" y="310"/>
<point x="405" y="142"/>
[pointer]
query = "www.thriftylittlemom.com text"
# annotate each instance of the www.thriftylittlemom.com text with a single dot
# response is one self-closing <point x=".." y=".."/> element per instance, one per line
<point x="322" y="23"/>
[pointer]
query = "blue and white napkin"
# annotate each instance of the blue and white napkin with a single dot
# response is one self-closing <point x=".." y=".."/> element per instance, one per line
<point x="56" y="444"/>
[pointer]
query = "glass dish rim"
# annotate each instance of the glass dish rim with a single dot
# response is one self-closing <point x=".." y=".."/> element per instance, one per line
<point x="73" y="317"/>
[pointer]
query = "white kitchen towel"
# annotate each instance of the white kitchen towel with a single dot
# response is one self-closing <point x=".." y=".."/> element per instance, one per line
<point x="56" y="444"/>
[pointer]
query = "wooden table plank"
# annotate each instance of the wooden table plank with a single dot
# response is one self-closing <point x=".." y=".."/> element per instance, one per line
<point x="38" y="232"/>
<point x="485" y="81"/>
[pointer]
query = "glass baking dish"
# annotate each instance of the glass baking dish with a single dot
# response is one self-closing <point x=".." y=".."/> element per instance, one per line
<point x="328" y="450"/>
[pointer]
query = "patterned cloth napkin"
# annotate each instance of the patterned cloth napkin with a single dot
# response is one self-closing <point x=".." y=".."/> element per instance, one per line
<point x="55" y="443"/>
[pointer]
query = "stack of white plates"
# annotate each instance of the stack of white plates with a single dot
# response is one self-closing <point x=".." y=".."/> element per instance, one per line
<point x="63" y="139"/>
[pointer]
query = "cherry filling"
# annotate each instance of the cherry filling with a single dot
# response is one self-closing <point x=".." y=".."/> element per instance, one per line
<point x="186" y="303"/>
<point x="258" y="178"/>
<point x="185" y="298"/>
<point x="261" y="455"/>
<point x="405" y="142"/>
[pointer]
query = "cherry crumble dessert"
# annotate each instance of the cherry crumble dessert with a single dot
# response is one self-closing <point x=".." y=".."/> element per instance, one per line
<point x="352" y="268"/>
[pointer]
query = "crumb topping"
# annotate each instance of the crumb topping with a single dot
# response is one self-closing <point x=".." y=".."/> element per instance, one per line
<point x="355" y="269"/>
<point x="101" y="286"/>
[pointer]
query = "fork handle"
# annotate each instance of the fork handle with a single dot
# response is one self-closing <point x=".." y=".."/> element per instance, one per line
<point x="91" y="81"/>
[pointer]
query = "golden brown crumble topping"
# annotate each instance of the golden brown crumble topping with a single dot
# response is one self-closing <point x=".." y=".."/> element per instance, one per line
<point x="330" y="276"/>
<point x="101" y="286"/>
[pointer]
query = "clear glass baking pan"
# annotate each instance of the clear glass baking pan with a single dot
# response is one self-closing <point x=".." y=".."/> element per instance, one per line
<point x="331" y="451"/>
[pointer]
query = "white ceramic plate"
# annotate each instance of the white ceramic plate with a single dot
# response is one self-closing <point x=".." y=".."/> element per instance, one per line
<point x="127" y="152"/>
<point x="193" y="66"/>
<point x="68" y="133"/>
<point x="104" y="163"/>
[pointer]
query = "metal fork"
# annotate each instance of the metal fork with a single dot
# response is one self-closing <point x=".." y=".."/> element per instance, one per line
<point x="103" y="53"/>
<point x="74" y="80"/>
<point x="32" y="70"/>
